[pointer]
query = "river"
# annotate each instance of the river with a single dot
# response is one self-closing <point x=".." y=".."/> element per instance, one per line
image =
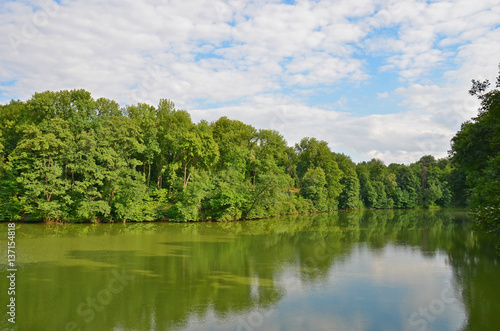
<point x="360" y="270"/>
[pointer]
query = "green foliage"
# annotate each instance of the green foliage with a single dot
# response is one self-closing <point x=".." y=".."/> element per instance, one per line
<point x="227" y="197"/>
<point x="350" y="197"/>
<point x="235" y="141"/>
<point x="313" y="187"/>
<point x="367" y="192"/>
<point x="188" y="206"/>
<point x="67" y="157"/>
<point x="38" y="162"/>
<point x="476" y="151"/>
<point x="313" y="153"/>
<point x="145" y="116"/>
<point x="377" y="184"/>
<point x="267" y="191"/>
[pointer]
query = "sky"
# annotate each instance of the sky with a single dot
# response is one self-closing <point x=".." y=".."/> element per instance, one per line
<point x="384" y="79"/>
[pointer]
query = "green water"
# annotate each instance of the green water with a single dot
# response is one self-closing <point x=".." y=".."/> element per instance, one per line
<point x="371" y="270"/>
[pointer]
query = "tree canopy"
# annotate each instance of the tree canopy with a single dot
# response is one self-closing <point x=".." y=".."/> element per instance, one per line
<point x="66" y="157"/>
<point x="475" y="151"/>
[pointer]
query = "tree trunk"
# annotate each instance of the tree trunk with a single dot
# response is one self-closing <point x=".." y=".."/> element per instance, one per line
<point x="149" y="172"/>
<point x="160" y="167"/>
<point x="254" y="202"/>
<point x="186" y="177"/>
<point x="111" y="196"/>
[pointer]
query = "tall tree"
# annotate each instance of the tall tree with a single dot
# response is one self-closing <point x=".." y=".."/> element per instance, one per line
<point x="313" y="153"/>
<point x="408" y="187"/>
<point x="39" y="160"/>
<point x="476" y="150"/>
<point x="145" y="117"/>
<point x="313" y="187"/>
<point x="367" y="191"/>
<point x="236" y="142"/>
<point x="195" y="149"/>
<point x="171" y="124"/>
<point x="350" y="196"/>
<point x="120" y="141"/>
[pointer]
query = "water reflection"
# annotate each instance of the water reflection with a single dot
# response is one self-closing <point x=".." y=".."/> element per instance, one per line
<point x="364" y="270"/>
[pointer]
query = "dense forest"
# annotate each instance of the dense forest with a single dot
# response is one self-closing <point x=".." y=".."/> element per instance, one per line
<point x="67" y="157"/>
<point x="476" y="152"/>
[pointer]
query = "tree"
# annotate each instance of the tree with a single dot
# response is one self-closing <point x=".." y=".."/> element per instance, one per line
<point x="39" y="161"/>
<point x="227" y="197"/>
<point x="119" y="143"/>
<point x="313" y="187"/>
<point x="76" y="107"/>
<point x="189" y="205"/>
<point x="269" y="153"/>
<point x="2" y="154"/>
<point x="313" y="153"/>
<point x="350" y="196"/>
<point x="460" y="191"/>
<point x="15" y="117"/>
<point x="89" y="183"/>
<point x="267" y="191"/>
<point x="145" y="116"/>
<point x="65" y="156"/>
<point x="476" y="150"/>
<point x="408" y="187"/>
<point x="169" y="122"/>
<point x="196" y="149"/>
<point x="367" y="192"/>
<point x="378" y="185"/>
<point x="236" y="141"/>
<point x="106" y="107"/>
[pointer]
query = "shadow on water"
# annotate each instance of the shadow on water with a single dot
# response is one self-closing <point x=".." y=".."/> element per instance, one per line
<point x="172" y="276"/>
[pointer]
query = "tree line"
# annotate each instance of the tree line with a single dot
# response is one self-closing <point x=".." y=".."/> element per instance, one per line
<point x="67" y="157"/>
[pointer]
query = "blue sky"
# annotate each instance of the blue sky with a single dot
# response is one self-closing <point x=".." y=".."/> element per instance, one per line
<point x="373" y="78"/>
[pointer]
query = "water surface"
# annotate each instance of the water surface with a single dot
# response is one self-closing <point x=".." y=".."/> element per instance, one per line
<point x="366" y="270"/>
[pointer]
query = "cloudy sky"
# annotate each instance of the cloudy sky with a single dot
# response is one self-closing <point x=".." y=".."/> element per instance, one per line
<point x="374" y="78"/>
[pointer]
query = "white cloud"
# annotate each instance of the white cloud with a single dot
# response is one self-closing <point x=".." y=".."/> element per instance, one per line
<point x="399" y="138"/>
<point x="425" y="27"/>
<point x="265" y="58"/>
